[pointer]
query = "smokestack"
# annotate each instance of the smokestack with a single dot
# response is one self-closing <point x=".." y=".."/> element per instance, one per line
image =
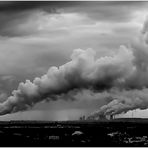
<point x="102" y="117"/>
<point x="111" y="117"/>
<point x="132" y="114"/>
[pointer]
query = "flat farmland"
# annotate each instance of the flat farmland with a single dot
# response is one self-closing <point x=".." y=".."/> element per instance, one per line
<point x="118" y="132"/>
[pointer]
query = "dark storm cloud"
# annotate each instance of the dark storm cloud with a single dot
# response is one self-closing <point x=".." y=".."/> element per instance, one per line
<point x="111" y="11"/>
<point x="15" y="6"/>
<point x="14" y="14"/>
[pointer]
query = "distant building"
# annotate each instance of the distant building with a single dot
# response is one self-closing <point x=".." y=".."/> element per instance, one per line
<point x="102" y="117"/>
<point x="82" y="118"/>
<point x="98" y="117"/>
<point x="111" y="117"/>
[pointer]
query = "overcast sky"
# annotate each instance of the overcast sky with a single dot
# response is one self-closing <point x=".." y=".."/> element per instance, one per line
<point x="37" y="35"/>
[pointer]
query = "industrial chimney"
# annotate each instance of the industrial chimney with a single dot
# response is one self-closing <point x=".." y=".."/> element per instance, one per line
<point x="111" y="117"/>
<point x="102" y="117"/>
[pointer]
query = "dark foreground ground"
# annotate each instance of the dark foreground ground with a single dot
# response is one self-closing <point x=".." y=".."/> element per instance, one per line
<point x="121" y="132"/>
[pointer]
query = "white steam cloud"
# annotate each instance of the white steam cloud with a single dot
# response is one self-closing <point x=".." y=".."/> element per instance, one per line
<point x="123" y="101"/>
<point x="124" y="76"/>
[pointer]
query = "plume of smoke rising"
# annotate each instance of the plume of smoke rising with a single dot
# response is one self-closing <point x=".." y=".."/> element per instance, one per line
<point x="83" y="71"/>
<point x="123" y="101"/>
<point x="126" y="70"/>
<point x="135" y="93"/>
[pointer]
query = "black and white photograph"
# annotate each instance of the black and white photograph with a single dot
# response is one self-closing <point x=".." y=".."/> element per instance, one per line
<point x="73" y="73"/>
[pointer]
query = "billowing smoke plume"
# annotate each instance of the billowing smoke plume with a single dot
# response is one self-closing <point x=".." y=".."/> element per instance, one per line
<point x="123" y="101"/>
<point x="134" y="94"/>
<point x="123" y="75"/>
<point x="83" y="71"/>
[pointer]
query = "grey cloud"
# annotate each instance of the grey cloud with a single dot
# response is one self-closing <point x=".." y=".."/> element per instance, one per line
<point x="14" y="14"/>
<point x="110" y="11"/>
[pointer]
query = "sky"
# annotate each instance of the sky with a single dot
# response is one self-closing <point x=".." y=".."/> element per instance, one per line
<point x="37" y="35"/>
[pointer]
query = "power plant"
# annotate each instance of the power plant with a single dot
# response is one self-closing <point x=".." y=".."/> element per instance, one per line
<point x="99" y="117"/>
<point x="102" y="117"/>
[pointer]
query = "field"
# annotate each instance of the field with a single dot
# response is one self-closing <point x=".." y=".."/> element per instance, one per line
<point x="118" y="132"/>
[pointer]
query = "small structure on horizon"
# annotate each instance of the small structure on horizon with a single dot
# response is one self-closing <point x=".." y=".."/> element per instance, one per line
<point x="102" y="117"/>
<point x="98" y="117"/>
<point x="82" y="118"/>
<point x="111" y="117"/>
